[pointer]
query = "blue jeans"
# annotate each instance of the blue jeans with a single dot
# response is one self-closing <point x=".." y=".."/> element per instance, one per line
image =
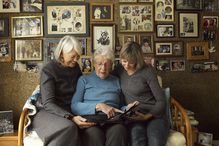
<point x="149" y="133"/>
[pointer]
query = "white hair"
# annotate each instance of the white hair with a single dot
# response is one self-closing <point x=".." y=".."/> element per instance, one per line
<point x="66" y="44"/>
<point x="105" y="52"/>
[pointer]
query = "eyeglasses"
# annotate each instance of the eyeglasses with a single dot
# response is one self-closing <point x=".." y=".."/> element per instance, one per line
<point x="101" y="64"/>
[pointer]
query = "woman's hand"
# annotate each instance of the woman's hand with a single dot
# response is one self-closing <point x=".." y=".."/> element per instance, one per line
<point x="108" y="110"/>
<point x="130" y="105"/>
<point x="82" y="122"/>
<point x="137" y="116"/>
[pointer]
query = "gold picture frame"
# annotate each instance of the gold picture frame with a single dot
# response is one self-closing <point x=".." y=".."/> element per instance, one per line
<point x="197" y="50"/>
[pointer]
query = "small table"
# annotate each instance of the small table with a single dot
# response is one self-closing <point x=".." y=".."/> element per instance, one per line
<point x="10" y="139"/>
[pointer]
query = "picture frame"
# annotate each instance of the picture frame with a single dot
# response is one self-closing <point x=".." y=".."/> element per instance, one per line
<point x="6" y="120"/>
<point x="210" y="35"/>
<point x="129" y="38"/>
<point x="128" y="1"/>
<point x="212" y="5"/>
<point x="83" y="42"/>
<point x="26" y="26"/>
<point x="145" y="1"/>
<point x="86" y="64"/>
<point x="28" y="50"/>
<point x="146" y="42"/>
<point x="189" y="5"/>
<point x="205" y="139"/>
<point x="136" y="18"/>
<point x="32" y="6"/>
<point x="5" y="50"/>
<point x="163" y="65"/>
<point x="210" y="22"/>
<point x="103" y="36"/>
<point x="177" y="65"/>
<point x="178" y="48"/>
<point x="9" y="6"/>
<point x="66" y="18"/>
<point x="164" y="10"/>
<point x="4" y="29"/>
<point x="188" y="24"/>
<point x="197" y="50"/>
<point x="49" y="45"/>
<point x="163" y="48"/>
<point x="209" y="66"/>
<point x="165" y="30"/>
<point x="101" y="11"/>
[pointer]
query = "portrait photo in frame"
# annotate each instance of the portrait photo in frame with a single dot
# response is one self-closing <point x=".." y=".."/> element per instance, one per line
<point x="177" y="65"/>
<point x="197" y="51"/>
<point x="101" y="11"/>
<point x="9" y="6"/>
<point x="165" y="30"/>
<point x="178" y="48"/>
<point x="5" y="50"/>
<point x="32" y="6"/>
<point x="4" y="27"/>
<point x="26" y="26"/>
<point x="164" y="10"/>
<point x="129" y="38"/>
<point x="210" y="22"/>
<point x="205" y="139"/>
<point x="28" y="50"/>
<point x="86" y="64"/>
<point x="163" y="48"/>
<point x="211" y="5"/>
<point x="103" y="36"/>
<point x="162" y="65"/>
<point x="146" y="42"/>
<point x="136" y="18"/>
<point x="188" y="24"/>
<point x="49" y="45"/>
<point x="66" y="18"/>
<point x="188" y="5"/>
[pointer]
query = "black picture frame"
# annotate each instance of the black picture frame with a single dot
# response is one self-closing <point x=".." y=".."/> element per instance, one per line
<point x="78" y="26"/>
<point x="189" y="5"/>
<point x="4" y="27"/>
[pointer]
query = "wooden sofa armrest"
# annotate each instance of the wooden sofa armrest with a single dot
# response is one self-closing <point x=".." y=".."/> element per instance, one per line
<point x="181" y="121"/>
<point x="22" y="122"/>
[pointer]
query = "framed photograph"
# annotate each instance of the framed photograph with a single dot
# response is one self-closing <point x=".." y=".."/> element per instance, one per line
<point x="49" y="46"/>
<point x="205" y="138"/>
<point x="210" y="35"/>
<point x="129" y="38"/>
<point x="4" y="27"/>
<point x="177" y="65"/>
<point x="210" y="22"/>
<point x="178" y="48"/>
<point x="209" y="66"/>
<point x="146" y="42"/>
<point x="26" y="26"/>
<point x="165" y="30"/>
<point x="6" y="122"/>
<point x="86" y="64"/>
<point x="163" y="65"/>
<point x="101" y="11"/>
<point x="34" y="6"/>
<point x="5" y="50"/>
<point x="127" y="1"/>
<point x="163" y="48"/>
<point x="66" y="18"/>
<point x="149" y="59"/>
<point x="9" y="6"/>
<point x="83" y="42"/>
<point x="28" y="50"/>
<point x="164" y="10"/>
<point x="188" y="24"/>
<point x="103" y="36"/>
<point x="136" y="18"/>
<point x="211" y="5"/>
<point x="197" y="50"/>
<point x="188" y="4"/>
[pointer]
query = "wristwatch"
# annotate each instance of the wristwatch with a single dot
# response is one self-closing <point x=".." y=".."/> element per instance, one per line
<point x="68" y="116"/>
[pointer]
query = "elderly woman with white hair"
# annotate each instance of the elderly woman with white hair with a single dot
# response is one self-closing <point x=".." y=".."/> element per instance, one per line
<point x="100" y="92"/>
<point x="54" y="122"/>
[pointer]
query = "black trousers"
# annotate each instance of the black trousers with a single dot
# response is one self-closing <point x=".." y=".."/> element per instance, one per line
<point x="107" y="135"/>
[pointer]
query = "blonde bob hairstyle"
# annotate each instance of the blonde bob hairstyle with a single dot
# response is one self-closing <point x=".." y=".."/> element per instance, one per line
<point x="105" y="52"/>
<point x="131" y="51"/>
<point x="66" y="44"/>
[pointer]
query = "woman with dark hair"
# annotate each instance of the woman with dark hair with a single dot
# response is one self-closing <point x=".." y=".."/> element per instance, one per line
<point x="151" y="126"/>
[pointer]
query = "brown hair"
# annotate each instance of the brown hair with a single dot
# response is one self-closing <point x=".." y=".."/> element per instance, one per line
<point x="132" y="52"/>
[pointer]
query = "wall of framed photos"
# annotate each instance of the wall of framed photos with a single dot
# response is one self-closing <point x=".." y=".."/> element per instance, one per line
<point x="181" y="35"/>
